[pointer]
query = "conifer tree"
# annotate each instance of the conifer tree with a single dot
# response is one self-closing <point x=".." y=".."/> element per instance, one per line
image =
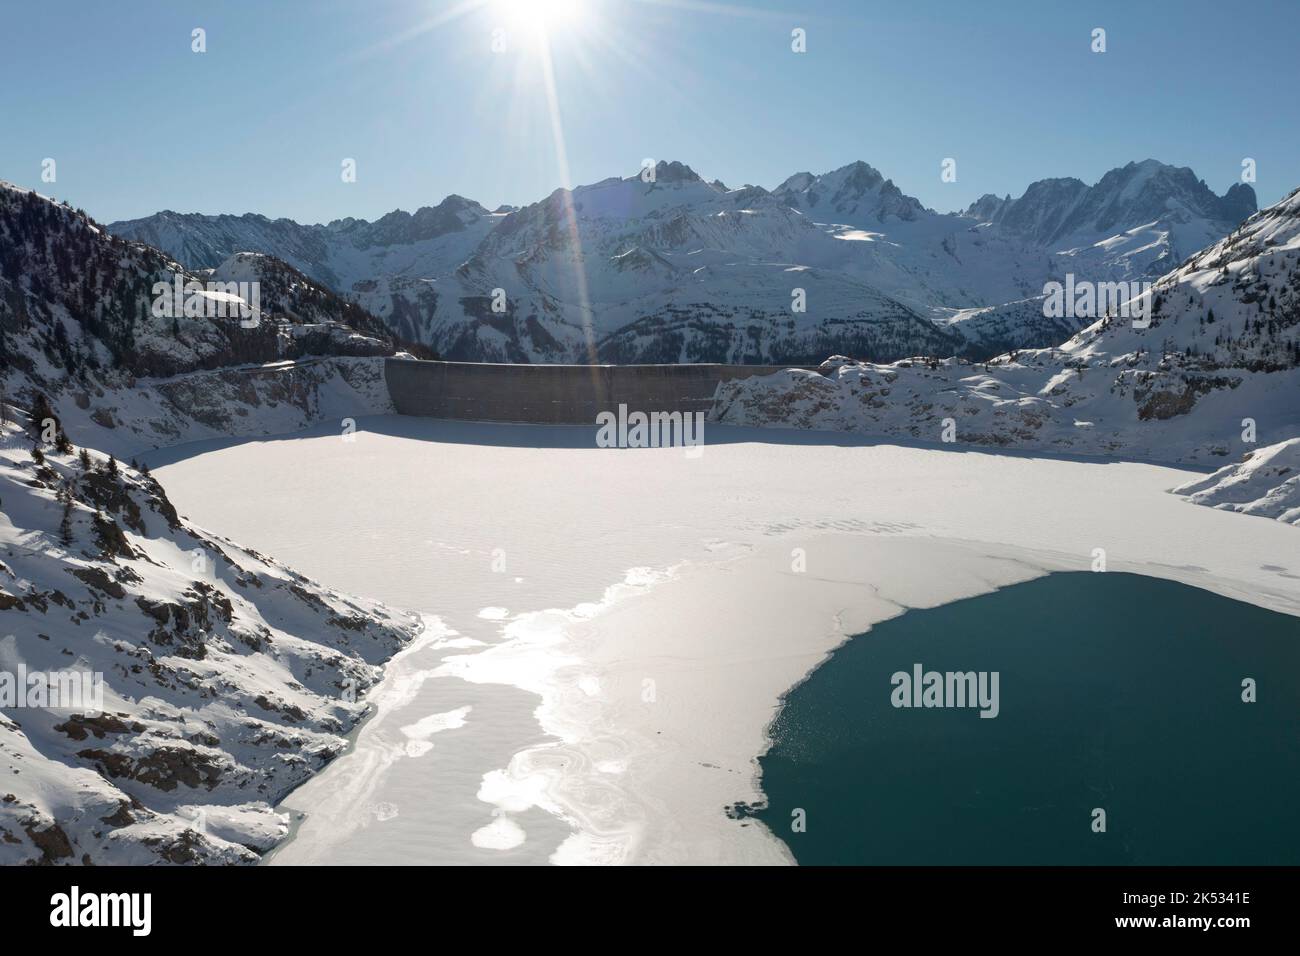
<point x="65" y="524"/>
<point x="41" y="413"/>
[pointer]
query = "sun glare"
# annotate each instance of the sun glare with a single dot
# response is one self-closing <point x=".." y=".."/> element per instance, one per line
<point x="537" y="14"/>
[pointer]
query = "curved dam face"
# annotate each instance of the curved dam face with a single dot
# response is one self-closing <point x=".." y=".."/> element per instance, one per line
<point x="553" y="394"/>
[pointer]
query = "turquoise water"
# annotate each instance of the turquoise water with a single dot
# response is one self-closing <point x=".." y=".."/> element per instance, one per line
<point x="1115" y="691"/>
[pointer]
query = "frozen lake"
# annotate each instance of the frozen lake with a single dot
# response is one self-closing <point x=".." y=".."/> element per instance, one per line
<point x="610" y="631"/>
<point x="1132" y="706"/>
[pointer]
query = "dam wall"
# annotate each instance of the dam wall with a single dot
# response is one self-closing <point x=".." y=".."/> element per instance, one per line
<point x="553" y="394"/>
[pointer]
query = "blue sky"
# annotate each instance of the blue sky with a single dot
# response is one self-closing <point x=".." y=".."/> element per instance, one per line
<point x="413" y="91"/>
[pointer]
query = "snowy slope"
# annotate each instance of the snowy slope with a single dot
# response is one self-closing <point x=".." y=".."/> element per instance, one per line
<point x="77" y="323"/>
<point x="241" y="401"/>
<point x="1266" y="483"/>
<point x="89" y="301"/>
<point x="1220" y="360"/>
<point x="227" y="679"/>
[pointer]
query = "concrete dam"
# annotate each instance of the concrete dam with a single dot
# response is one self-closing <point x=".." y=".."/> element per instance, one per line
<point x="553" y="394"/>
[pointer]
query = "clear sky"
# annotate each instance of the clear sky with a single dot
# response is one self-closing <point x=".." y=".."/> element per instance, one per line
<point x="413" y="91"/>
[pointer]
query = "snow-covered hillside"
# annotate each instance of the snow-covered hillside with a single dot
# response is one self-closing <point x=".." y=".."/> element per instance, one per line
<point x="226" y="678"/>
<point x="1266" y="483"/>
<point x="88" y="301"/>
<point x="389" y="267"/>
<point x="78" y="323"/>
<point x="1216" y="374"/>
<point x="241" y="401"/>
<point x="680" y="269"/>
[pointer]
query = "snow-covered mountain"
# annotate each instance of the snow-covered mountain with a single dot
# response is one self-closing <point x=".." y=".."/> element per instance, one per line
<point x="1216" y="374"/>
<point x="855" y="194"/>
<point x="622" y="270"/>
<point x="1053" y="209"/>
<point x="680" y="269"/>
<point x="78" y="323"/>
<point x="1138" y="221"/>
<point x="88" y="300"/>
<point x="388" y="266"/>
<point x="224" y="679"/>
<point x="338" y="254"/>
<point x="227" y="679"/>
<point x="675" y="270"/>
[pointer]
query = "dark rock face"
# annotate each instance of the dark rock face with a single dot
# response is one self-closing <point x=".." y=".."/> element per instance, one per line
<point x="163" y="768"/>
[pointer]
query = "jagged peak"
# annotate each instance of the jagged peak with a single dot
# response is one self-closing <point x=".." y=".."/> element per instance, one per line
<point x="672" y="171"/>
<point x="1056" y="182"/>
<point x="855" y="191"/>
<point x="857" y="173"/>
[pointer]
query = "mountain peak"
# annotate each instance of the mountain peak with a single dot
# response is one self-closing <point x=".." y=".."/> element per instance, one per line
<point x="796" y="183"/>
<point x="988" y="208"/>
<point x="855" y="194"/>
<point x="1138" y="192"/>
<point x="858" y="171"/>
<point x="667" y="171"/>
<point x="1239" y="202"/>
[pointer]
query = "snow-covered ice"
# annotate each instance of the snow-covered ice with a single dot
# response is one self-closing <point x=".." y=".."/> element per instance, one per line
<point x="609" y="631"/>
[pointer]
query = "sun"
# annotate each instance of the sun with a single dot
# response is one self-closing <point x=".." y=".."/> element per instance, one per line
<point x="537" y="14"/>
